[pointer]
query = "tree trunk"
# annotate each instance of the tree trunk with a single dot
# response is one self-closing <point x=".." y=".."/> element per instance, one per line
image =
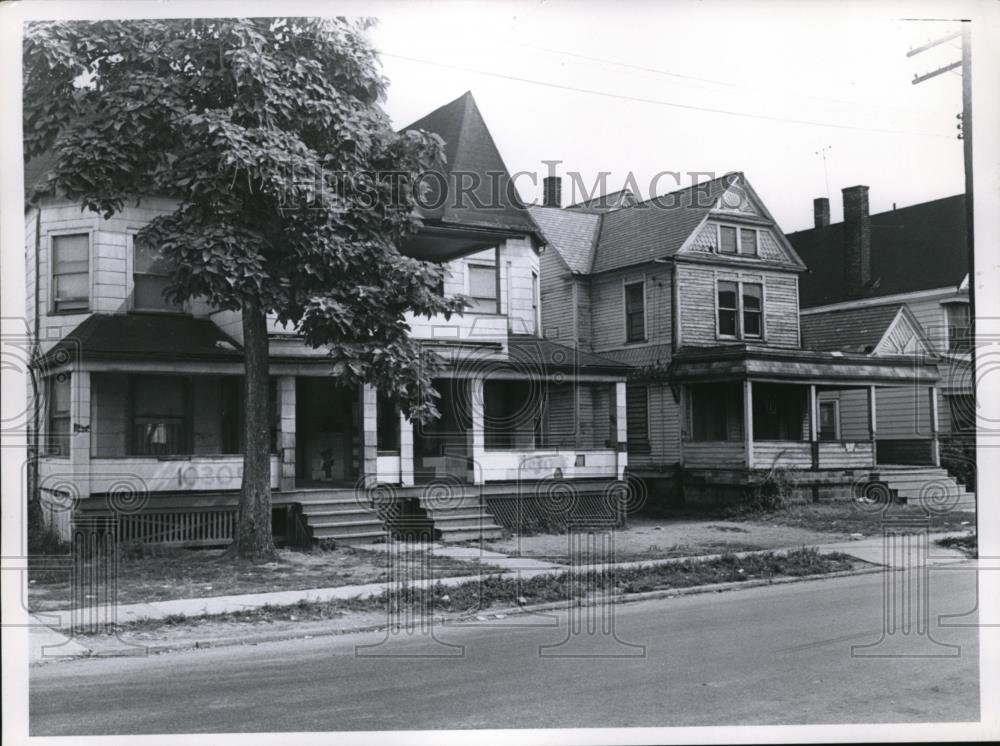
<point x="254" y="540"/>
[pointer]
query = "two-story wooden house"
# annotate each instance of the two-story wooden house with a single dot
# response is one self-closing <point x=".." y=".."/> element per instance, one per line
<point x="698" y="291"/>
<point x="143" y="398"/>
<point x="869" y="270"/>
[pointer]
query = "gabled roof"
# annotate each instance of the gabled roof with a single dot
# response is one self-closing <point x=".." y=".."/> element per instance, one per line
<point x="146" y="337"/>
<point x="920" y="247"/>
<point x="469" y="148"/>
<point x="572" y="234"/>
<point x="656" y="228"/>
<point x="876" y="330"/>
<point x="852" y="330"/>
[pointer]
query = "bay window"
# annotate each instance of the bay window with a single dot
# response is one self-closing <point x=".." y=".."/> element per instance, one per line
<point x="71" y="273"/>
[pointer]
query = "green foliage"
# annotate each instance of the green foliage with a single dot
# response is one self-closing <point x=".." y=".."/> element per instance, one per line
<point x="268" y="137"/>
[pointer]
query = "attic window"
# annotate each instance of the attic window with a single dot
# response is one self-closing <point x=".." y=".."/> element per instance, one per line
<point x="733" y="240"/>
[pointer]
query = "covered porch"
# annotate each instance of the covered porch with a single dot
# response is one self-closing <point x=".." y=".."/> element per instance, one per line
<point x="746" y="409"/>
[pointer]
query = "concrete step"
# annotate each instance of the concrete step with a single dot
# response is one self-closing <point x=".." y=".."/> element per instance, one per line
<point x="337" y="510"/>
<point x="368" y="537"/>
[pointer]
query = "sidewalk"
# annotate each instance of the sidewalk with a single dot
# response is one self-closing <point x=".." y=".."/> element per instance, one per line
<point x="870" y="550"/>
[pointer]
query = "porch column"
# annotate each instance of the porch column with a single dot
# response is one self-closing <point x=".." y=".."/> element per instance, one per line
<point x="748" y="421"/>
<point x="477" y="431"/>
<point x="286" y="432"/>
<point x="79" y="431"/>
<point x="406" y="478"/>
<point x="621" y="430"/>
<point x="872" y="419"/>
<point x="935" y="443"/>
<point x="369" y="434"/>
<point x="813" y="426"/>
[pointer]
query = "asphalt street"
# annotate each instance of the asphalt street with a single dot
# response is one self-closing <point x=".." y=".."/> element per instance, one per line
<point x="770" y="655"/>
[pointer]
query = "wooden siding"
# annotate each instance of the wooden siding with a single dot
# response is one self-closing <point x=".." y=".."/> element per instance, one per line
<point x="607" y="297"/>
<point x="557" y="297"/>
<point x="697" y="304"/>
<point x="845" y="455"/>
<point x="715" y="454"/>
<point x="664" y="417"/>
<point x="790" y="454"/>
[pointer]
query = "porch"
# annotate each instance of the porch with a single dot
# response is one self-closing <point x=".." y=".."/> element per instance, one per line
<point x="803" y="410"/>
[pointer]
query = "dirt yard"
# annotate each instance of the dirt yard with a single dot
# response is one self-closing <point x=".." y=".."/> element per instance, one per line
<point x="164" y="573"/>
<point x="652" y="539"/>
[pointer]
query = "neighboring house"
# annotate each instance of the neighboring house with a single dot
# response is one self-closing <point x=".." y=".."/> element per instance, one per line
<point x="698" y="291"/>
<point x="870" y="266"/>
<point x="143" y="397"/>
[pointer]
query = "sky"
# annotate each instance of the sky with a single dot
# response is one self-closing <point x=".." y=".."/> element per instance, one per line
<point x="805" y="98"/>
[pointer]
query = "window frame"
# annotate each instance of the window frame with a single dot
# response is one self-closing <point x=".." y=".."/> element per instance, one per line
<point x="53" y="308"/>
<point x="836" y="420"/>
<point x="626" y="284"/>
<point x="739" y="240"/>
<point x="948" y="326"/>
<point x="50" y="416"/>
<point x="130" y="269"/>
<point x="741" y="333"/>
<point x="495" y="299"/>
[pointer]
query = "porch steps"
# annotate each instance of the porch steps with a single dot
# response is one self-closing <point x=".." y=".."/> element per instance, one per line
<point x="931" y="487"/>
<point x="461" y="517"/>
<point x="343" y="519"/>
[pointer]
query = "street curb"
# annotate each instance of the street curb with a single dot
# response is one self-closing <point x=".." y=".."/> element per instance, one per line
<point x="464" y="620"/>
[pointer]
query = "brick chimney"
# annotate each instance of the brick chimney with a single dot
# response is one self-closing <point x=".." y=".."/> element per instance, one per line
<point x="821" y="212"/>
<point x="857" y="240"/>
<point x="552" y="190"/>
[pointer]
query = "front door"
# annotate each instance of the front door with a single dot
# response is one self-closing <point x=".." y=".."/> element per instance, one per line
<point x="327" y="436"/>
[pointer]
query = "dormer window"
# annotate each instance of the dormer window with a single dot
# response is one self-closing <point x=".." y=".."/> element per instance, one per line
<point x="734" y="240"/>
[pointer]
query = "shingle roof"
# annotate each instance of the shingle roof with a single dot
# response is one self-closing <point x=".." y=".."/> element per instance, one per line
<point x="545" y="354"/>
<point x="606" y="202"/>
<point x="919" y="247"/>
<point x="572" y="234"/>
<point x="146" y="337"/>
<point x="656" y="228"/>
<point x="851" y="330"/>
<point x="469" y="148"/>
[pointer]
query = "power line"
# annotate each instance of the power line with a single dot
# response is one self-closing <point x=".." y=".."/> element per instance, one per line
<point x="658" y="102"/>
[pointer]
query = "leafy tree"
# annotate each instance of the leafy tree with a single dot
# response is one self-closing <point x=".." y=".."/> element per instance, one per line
<point x="269" y="136"/>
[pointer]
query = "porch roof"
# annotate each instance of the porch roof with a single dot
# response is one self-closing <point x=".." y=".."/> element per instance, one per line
<point x="145" y="337"/>
<point x="538" y="353"/>
<point x="739" y="362"/>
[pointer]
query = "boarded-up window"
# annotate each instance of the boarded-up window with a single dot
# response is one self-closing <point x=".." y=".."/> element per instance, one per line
<point x="635" y="312"/>
<point x="637" y="412"/>
<point x="150" y="275"/>
<point x="483" y="288"/>
<point x="57" y="443"/>
<point x="71" y="272"/>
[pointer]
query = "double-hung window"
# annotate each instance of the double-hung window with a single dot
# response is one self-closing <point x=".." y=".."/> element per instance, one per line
<point x="635" y="312"/>
<point x="59" y="418"/>
<point x="740" y="309"/>
<point x="958" y="327"/>
<point x="150" y="277"/>
<point x="733" y="240"/>
<point x="71" y="273"/>
<point x="483" y="288"/>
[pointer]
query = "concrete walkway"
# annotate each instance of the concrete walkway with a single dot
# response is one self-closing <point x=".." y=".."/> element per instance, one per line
<point x="57" y="645"/>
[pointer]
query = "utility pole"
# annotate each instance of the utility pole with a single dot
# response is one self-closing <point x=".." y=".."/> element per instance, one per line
<point x="965" y="134"/>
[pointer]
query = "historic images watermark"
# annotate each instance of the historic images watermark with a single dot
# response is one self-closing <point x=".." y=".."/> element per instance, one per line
<point x="310" y="185"/>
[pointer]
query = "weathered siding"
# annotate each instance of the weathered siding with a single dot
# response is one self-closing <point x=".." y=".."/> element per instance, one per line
<point x="697" y="304"/>
<point x="557" y="297"/>
<point x="607" y="299"/>
<point x="664" y="429"/>
<point x="714" y="454"/>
